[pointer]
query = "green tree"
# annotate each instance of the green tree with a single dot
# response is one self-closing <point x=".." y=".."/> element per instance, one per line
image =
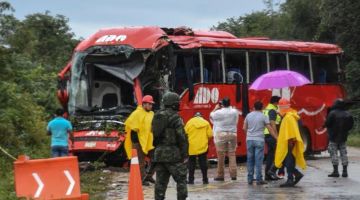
<point x="45" y="39"/>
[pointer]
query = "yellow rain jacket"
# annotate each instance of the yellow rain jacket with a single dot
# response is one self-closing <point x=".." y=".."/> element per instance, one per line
<point x="289" y="129"/>
<point x="198" y="131"/>
<point x="140" y="122"/>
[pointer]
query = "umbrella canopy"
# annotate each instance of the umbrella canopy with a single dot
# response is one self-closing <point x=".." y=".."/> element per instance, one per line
<point x="279" y="79"/>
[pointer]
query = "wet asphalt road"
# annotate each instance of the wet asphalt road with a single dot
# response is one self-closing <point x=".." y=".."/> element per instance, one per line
<point x="314" y="185"/>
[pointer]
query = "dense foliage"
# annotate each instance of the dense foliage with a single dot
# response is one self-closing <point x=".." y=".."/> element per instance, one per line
<point x="32" y="51"/>
<point x="332" y="21"/>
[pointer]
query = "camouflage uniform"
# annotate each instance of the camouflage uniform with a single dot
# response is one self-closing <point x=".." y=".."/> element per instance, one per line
<point x="171" y="148"/>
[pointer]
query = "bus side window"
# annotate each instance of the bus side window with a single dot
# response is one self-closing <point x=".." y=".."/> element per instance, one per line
<point x="277" y="61"/>
<point x="187" y="71"/>
<point x="235" y="67"/>
<point x="212" y="71"/>
<point x="300" y="63"/>
<point x="325" y="68"/>
<point x="258" y="64"/>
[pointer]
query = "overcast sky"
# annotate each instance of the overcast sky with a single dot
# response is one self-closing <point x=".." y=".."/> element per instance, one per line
<point x="87" y="16"/>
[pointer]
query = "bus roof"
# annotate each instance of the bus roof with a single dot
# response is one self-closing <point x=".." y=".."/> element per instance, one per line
<point x="154" y="37"/>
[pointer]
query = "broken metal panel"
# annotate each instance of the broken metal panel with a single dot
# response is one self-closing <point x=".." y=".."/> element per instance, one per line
<point x="126" y="71"/>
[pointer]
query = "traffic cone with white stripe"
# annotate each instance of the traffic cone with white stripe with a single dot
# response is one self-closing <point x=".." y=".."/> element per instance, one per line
<point x="135" y="184"/>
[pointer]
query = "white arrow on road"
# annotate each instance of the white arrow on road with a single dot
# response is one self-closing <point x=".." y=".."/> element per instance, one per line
<point x="40" y="183"/>
<point x="71" y="180"/>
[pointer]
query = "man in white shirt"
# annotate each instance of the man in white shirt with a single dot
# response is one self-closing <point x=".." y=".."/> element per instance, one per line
<point x="225" y="119"/>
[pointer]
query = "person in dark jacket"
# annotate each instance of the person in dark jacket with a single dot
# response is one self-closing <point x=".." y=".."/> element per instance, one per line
<point x="338" y="123"/>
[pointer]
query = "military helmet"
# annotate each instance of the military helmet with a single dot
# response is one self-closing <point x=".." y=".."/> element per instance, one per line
<point x="170" y="98"/>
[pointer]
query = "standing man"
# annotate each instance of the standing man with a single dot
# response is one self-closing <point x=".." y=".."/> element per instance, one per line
<point x="60" y="129"/>
<point x="171" y="147"/>
<point x="290" y="147"/>
<point x="254" y="125"/>
<point x="138" y="133"/>
<point x="275" y="119"/>
<point x="338" y="123"/>
<point x="199" y="132"/>
<point x="225" y="120"/>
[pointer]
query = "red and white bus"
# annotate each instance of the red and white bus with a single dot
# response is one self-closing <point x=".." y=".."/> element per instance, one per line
<point x="111" y="71"/>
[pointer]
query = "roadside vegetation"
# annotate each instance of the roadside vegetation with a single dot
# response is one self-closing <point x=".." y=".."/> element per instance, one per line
<point x="34" y="49"/>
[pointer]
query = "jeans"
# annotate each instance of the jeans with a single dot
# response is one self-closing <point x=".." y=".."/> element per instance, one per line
<point x="255" y="157"/>
<point x="290" y="164"/>
<point x="59" y="151"/>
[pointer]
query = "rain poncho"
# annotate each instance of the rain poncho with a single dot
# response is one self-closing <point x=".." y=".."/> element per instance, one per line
<point x="289" y="129"/>
<point x="199" y="132"/>
<point x="140" y="122"/>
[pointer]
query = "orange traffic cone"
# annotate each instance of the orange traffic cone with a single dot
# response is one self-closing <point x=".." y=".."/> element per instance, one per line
<point x="135" y="183"/>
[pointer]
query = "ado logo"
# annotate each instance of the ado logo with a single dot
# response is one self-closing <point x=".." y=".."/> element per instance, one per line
<point x="111" y="38"/>
<point x="204" y="95"/>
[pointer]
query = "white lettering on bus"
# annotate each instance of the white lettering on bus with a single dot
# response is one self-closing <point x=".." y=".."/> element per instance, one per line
<point x="111" y="38"/>
<point x="95" y="133"/>
<point x="204" y="95"/>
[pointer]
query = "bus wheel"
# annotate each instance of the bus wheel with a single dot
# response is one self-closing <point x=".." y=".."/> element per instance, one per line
<point x="305" y="136"/>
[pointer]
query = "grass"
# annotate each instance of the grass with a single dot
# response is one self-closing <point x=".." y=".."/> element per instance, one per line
<point x="95" y="183"/>
<point x="354" y="140"/>
<point x="7" y="188"/>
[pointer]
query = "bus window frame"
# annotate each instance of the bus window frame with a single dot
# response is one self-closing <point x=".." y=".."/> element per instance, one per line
<point x="186" y="51"/>
<point x="211" y="51"/>
<point x="338" y="67"/>
<point x="309" y="60"/>
<point x="287" y="60"/>
<point x="237" y="51"/>
<point x="248" y="61"/>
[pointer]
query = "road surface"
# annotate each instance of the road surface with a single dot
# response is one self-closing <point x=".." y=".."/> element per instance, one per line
<point x="314" y="185"/>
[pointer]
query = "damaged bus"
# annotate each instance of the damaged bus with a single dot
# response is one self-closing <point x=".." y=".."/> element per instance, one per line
<point x="111" y="70"/>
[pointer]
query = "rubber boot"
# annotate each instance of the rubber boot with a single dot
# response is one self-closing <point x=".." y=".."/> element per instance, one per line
<point x="344" y="173"/>
<point x="288" y="183"/>
<point x="272" y="172"/>
<point x="335" y="173"/>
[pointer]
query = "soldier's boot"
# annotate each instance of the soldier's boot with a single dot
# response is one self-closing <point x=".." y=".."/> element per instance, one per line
<point x="335" y="172"/>
<point x="345" y="173"/>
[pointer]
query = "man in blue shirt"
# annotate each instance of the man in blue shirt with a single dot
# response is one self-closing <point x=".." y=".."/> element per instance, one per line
<point x="59" y="129"/>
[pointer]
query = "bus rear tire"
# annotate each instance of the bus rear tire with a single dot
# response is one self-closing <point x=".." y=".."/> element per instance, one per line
<point x="305" y="136"/>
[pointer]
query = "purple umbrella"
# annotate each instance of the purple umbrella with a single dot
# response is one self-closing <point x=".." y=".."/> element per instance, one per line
<point x="279" y="79"/>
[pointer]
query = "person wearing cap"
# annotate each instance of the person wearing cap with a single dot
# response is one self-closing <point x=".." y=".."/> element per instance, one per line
<point x="271" y="112"/>
<point x="290" y="147"/>
<point x="198" y="132"/>
<point x="138" y="132"/>
<point x="338" y="123"/>
<point x="225" y="119"/>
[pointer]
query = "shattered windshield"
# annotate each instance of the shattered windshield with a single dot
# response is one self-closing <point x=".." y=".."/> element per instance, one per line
<point x="102" y="80"/>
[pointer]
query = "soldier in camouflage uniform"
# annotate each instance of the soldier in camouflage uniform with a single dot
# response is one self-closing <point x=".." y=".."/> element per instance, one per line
<point x="171" y="147"/>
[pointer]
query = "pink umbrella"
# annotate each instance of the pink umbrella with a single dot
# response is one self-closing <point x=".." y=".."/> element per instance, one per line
<point x="279" y="79"/>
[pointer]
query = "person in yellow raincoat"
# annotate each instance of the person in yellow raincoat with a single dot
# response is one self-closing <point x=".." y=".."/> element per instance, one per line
<point x="290" y="147"/>
<point x="138" y="133"/>
<point x="198" y="132"/>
